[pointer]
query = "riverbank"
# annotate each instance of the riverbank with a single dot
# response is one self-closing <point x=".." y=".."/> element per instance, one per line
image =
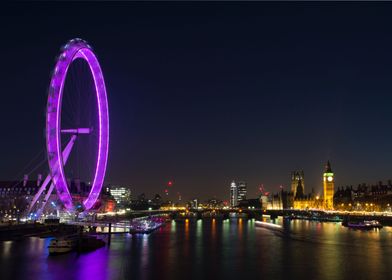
<point x="20" y="231"/>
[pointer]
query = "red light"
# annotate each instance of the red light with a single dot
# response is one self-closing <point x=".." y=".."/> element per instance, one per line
<point x="166" y="190"/>
<point x="170" y="183"/>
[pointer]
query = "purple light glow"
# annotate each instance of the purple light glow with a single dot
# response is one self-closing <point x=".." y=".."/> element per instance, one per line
<point x="74" y="49"/>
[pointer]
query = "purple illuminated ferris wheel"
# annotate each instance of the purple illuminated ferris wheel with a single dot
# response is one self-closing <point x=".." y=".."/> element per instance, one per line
<point x="61" y="137"/>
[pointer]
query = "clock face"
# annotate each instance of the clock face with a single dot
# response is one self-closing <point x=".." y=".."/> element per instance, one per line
<point x="329" y="178"/>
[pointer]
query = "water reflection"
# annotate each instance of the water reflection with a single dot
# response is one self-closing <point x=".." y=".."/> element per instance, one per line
<point x="6" y="248"/>
<point x="230" y="249"/>
<point x="186" y="229"/>
<point x="213" y="229"/>
<point x="239" y="230"/>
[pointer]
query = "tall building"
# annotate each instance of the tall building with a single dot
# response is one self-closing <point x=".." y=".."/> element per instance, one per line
<point x="241" y="196"/>
<point x="297" y="177"/>
<point x="237" y="193"/>
<point x="121" y="195"/>
<point x="329" y="187"/>
<point x="233" y="194"/>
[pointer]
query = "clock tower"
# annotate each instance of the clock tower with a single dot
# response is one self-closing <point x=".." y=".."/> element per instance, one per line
<point x="329" y="187"/>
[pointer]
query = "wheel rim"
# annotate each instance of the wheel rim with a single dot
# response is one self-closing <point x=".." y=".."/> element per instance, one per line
<point x="74" y="49"/>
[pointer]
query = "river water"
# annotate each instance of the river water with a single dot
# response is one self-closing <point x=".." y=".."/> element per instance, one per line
<point x="231" y="249"/>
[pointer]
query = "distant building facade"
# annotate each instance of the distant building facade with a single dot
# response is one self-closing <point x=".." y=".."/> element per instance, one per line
<point x="15" y="197"/>
<point x="364" y="197"/>
<point x="241" y="192"/>
<point x="213" y="203"/>
<point x="237" y="193"/>
<point x="193" y="204"/>
<point x="264" y="201"/>
<point x="233" y="194"/>
<point x="122" y="195"/>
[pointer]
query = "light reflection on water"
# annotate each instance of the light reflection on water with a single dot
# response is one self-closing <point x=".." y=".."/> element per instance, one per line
<point x="229" y="249"/>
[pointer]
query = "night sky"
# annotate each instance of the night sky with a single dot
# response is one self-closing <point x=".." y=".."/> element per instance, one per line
<point x="204" y="93"/>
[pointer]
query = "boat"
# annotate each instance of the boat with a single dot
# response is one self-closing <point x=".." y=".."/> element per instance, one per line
<point x="365" y="225"/>
<point x="315" y="217"/>
<point x="144" y="227"/>
<point x="62" y="245"/>
<point x="334" y="219"/>
<point x="80" y="243"/>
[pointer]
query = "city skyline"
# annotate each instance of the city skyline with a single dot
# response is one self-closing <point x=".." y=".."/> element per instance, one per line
<point x="195" y="140"/>
<point x="214" y="102"/>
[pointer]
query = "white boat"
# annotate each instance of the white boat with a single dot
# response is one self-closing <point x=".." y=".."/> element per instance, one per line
<point x="62" y="245"/>
<point x="268" y="225"/>
<point x="145" y="226"/>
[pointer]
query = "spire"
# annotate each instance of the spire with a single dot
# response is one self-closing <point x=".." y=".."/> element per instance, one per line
<point x="300" y="190"/>
<point x="328" y="168"/>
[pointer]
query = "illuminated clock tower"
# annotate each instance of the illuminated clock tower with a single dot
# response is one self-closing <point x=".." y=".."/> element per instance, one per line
<point x="329" y="187"/>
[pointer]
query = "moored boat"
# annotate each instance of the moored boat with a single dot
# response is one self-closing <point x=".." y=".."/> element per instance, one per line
<point x="62" y="245"/>
<point x="145" y="226"/>
<point x="334" y="219"/>
<point x="80" y="243"/>
<point x="364" y="225"/>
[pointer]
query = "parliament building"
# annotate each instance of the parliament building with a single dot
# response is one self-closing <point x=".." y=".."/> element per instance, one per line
<point x="297" y="198"/>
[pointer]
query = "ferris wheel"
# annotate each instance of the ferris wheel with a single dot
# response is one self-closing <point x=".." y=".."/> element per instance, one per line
<point x="77" y="120"/>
